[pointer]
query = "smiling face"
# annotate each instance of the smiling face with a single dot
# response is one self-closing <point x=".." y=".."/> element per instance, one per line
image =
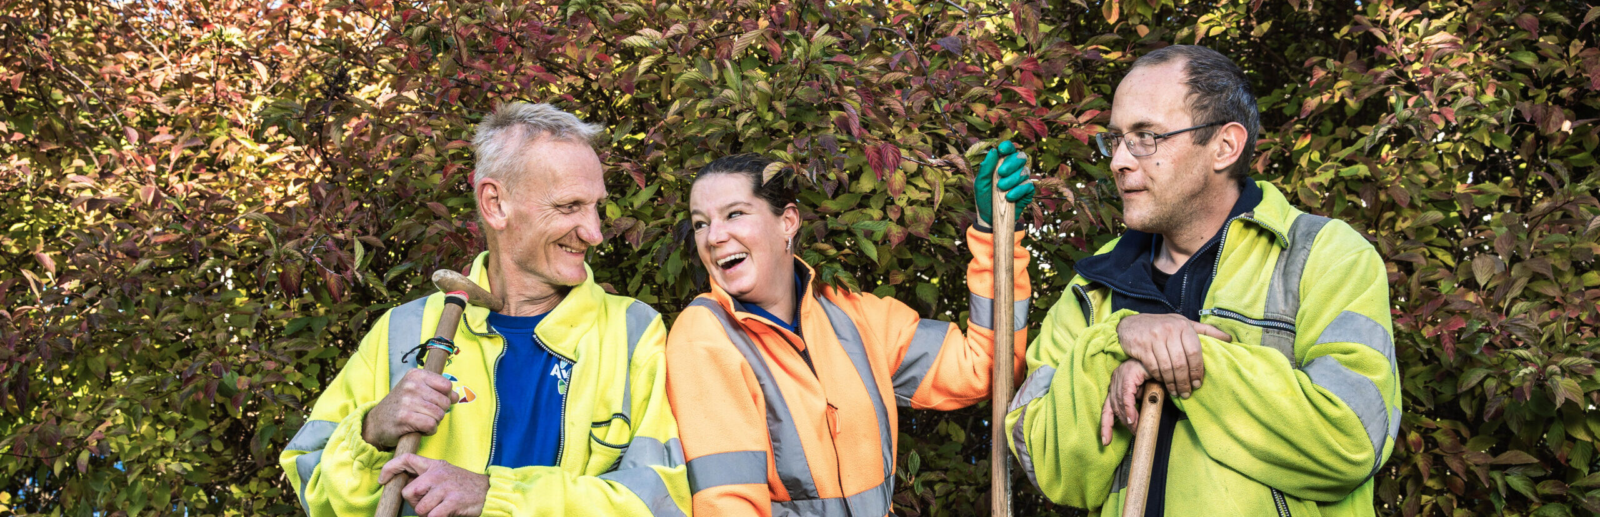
<point x="549" y="217"/>
<point x="1161" y="190"/>
<point x="741" y="242"/>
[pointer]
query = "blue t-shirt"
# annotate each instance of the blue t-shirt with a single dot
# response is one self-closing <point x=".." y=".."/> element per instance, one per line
<point x="794" y="326"/>
<point x="532" y="385"/>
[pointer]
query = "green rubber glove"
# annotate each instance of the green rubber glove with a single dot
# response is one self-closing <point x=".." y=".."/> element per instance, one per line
<point x="1012" y="168"/>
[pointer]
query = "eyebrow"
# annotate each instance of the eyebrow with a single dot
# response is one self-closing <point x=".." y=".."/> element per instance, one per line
<point x="1142" y="125"/>
<point x="734" y="204"/>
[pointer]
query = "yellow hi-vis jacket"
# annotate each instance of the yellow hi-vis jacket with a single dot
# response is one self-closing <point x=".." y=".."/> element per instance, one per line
<point x="1294" y="416"/>
<point x="619" y="443"/>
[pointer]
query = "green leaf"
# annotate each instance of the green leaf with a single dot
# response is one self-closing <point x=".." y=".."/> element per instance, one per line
<point x="868" y="248"/>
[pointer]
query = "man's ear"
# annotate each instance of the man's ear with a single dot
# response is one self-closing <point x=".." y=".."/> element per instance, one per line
<point x="1228" y="146"/>
<point x="491" y="203"/>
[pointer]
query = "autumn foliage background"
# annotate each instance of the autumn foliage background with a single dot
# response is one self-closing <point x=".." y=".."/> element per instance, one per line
<point x="207" y="203"/>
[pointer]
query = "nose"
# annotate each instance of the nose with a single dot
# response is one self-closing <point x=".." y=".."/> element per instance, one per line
<point x="1122" y="159"/>
<point x="589" y="225"/>
<point x="716" y="233"/>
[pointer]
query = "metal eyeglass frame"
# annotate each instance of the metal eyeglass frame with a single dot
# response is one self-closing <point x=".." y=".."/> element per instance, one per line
<point x="1109" y="149"/>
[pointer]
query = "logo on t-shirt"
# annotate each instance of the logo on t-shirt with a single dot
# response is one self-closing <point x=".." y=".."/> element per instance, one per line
<point x="463" y="393"/>
<point x="562" y="372"/>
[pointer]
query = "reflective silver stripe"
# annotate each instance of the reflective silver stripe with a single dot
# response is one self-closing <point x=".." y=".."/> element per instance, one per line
<point x="312" y="436"/>
<point x="727" y="468"/>
<point x="405" y="333"/>
<point x="1354" y="327"/>
<point x="647" y="484"/>
<point x="1283" y="295"/>
<point x="1034" y="387"/>
<point x="1394" y="422"/>
<point x="640" y="316"/>
<point x="1019" y="437"/>
<point x="870" y="502"/>
<point x="981" y="312"/>
<point x="645" y="451"/>
<point x="1359" y="393"/>
<point x="305" y="465"/>
<point x="850" y="338"/>
<point x="920" y="354"/>
<point x="787" y="450"/>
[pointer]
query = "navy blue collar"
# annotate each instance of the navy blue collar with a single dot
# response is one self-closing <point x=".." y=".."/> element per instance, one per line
<point x="800" y="280"/>
<point x="1127" y="267"/>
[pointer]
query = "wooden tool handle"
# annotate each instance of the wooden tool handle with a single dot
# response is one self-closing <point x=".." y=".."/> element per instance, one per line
<point x="455" y="303"/>
<point x="1151" y="397"/>
<point x="1004" y="338"/>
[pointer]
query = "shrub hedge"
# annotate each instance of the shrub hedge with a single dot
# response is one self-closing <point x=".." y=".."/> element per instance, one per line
<point x="206" y="204"/>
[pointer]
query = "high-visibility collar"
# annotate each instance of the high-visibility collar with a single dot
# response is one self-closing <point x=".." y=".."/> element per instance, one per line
<point x="572" y="317"/>
<point x="807" y="300"/>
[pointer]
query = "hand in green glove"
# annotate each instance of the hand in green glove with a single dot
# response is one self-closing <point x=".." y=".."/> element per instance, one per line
<point x="1013" y="180"/>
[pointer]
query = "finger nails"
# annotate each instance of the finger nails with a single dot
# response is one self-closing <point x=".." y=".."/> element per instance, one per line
<point x="1195" y="383"/>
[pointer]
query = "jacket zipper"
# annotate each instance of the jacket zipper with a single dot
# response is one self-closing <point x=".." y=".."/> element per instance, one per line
<point x="1223" y="244"/>
<point x="1078" y="288"/>
<point x="561" y="450"/>
<point x="1225" y="313"/>
<point x="1277" y="500"/>
<point x="494" y="427"/>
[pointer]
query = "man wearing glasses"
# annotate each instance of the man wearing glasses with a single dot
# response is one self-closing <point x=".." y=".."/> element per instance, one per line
<point x="1268" y="326"/>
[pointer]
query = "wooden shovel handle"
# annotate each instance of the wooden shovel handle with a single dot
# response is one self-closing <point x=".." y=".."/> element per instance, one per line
<point x="1004" y="338"/>
<point x="1144" y="448"/>
<point x="455" y="303"/>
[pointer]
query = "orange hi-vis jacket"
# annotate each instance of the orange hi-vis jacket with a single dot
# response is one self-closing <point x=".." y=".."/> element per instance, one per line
<point x="774" y="423"/>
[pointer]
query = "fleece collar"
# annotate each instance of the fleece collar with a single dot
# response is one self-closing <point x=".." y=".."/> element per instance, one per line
<point x="574" y="317"/>
<point x="1126" y="267"/>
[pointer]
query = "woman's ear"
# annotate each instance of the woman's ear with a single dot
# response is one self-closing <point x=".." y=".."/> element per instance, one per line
<point x="790" y="221"/>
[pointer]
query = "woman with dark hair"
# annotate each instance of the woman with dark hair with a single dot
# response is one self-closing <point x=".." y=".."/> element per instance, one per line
<point x="783" y="389"/>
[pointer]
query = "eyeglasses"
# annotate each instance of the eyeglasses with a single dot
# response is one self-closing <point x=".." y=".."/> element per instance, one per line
<point x="1142" y="144"/>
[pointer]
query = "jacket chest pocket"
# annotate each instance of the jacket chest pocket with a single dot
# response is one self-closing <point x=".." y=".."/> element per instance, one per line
<point x="608" y="440"/>
<point x="1269" y="332"/>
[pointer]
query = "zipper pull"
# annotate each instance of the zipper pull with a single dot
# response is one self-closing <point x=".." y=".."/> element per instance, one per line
<point x="1207" y="312"/>
<point x="833" y="419"/>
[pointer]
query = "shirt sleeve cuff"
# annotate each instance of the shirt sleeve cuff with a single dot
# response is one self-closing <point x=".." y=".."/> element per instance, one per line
<point x="364" y="454"/>
<point x="503" y="493"/>
<point x="979" y="224"/>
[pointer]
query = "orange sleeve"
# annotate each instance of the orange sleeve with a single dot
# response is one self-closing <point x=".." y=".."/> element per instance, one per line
<point x="721" y="418"/>
<point x="936" y="366"/>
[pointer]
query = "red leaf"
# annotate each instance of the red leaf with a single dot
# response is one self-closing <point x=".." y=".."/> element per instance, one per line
<point x="1081" y="134"/>
<point x="1528" y="23"/>
<point x="891" y="157"/>
<point x="875" y="161"/>
<point x="46" y="261"/>
<point x="1449" y="114"/>
<point x="1026" y="93"/>
<point x="1038" y="128"/>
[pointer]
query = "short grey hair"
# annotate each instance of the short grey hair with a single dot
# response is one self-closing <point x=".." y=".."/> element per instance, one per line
<point x="1218" y="92"/>
<point x="506" y="133"/>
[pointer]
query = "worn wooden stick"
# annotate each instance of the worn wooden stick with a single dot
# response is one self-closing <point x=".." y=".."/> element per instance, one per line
<point x="460" y="292"/>
<point x="1004" y="334"/>
<point x="1144" y="448"/>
